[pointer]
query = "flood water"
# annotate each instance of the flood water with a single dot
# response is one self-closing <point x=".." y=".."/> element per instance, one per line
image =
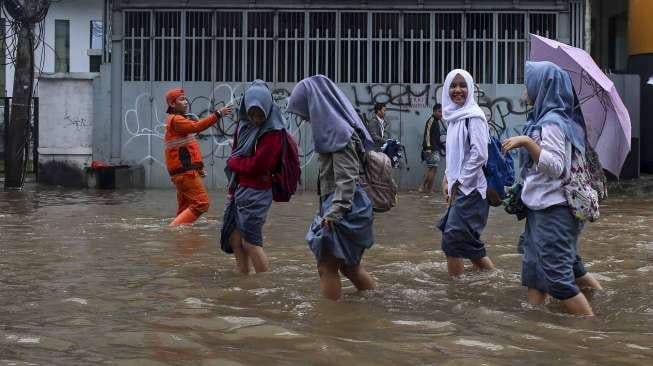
<point x="96" y="277"/>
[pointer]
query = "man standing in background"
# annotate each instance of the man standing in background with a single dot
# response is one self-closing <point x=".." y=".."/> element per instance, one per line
<point x="377" y="127"/>
<point x="433" y="147"/>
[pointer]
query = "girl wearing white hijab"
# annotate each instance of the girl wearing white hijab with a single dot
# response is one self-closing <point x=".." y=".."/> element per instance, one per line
<point x="464" y="183"/>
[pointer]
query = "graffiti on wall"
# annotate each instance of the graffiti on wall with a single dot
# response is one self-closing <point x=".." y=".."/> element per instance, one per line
<point x="144" y="125"/>
<point x="408" y="107"/>
<point x="501" y="113"/>
<point x="418" y="101"/>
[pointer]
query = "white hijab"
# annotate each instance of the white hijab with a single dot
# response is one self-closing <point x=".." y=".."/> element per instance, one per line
<point x="452" y="112"/>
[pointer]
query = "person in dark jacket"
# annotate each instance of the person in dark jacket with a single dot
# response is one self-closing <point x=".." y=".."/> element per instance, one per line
<point x="433" y="147"/>
<point x="378" y="127"/>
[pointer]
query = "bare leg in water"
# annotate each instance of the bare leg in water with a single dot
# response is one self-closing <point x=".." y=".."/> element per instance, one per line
<point x="242" y="258"/>
<point x="330" y="268"/>
<point x="359" y="277"/>
<point x="330" y="286"/>
<point x="455" y="266"/>
<point x="257" y="256"/>
<point x="535" y="297"/>
<point x="483" y="264"/>
<point x="588" y="281"/>
<point x="588" y="285"/>
<point x="247" y="253"/>
<point x="429" y="177"/>
<point x="576" y="305"/>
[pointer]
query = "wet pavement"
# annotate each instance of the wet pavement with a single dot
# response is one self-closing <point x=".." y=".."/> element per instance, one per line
<point x="95" y="277"/>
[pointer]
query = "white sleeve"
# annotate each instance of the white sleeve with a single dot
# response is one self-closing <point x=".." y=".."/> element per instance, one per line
<point x="479" y="135"/>
<point x="552" y="156"/>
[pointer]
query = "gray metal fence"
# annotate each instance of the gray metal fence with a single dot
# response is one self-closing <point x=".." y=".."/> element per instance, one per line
<point x="348" y="46"/>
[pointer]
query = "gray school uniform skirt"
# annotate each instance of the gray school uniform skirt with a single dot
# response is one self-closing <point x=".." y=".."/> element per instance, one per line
<point x="550" y="262"/>
<point x="350" y="236"/>
<point x="247" y="212"/>
<point x="578" y="267"/>
<point x="462" y="226"/>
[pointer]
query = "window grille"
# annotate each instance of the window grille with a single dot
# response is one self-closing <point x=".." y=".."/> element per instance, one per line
<point x="577" y="23"/>
<point x="322" y="44"/>
<point x="260" y="45"/>
<point x="448" y="44"/>
<point x="417" y="48"/>
<point x="348" y="46"/>
<point x="385" y="48"/>
<point x="137" y="46"/>
<point x="511" y="48"/>
<point x="543" y="24"/>
<point x="353" y="47"/>
<point x="479" y="46"/>
<point x="229" y="46"/>
<point x="167" y="46"/>
<point x="199" y="46"/>
<point x="290" y="47"/>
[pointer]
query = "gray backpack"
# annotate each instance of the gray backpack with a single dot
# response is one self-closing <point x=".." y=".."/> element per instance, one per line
<point x="378" y="182"/>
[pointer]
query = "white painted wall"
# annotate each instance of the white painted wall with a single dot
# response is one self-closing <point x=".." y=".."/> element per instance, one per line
<point x="79" y="13"/>
<point x="66" y="118"/>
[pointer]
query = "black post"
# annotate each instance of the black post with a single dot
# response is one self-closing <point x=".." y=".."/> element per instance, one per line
<point x="35" y="139"/>
<point x="5" y="136"/>
<point x="21" y="100"/>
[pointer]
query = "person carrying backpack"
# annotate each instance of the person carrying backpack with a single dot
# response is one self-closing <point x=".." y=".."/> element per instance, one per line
<point x="464" y="184"/>
<point x="257" y="148"/>
<point x="553" y="132"/>
<point x="342" y="229"/>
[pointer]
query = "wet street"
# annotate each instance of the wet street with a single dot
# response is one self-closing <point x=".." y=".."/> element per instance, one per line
<point x="95" y="277"/>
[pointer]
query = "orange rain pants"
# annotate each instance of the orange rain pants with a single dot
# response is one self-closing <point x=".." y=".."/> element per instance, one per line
<point x="191" y="192"/>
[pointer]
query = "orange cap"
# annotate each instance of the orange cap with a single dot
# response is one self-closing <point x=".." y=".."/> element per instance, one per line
<point x="171" y="96"/>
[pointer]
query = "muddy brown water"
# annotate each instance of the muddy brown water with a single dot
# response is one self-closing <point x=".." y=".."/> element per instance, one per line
<point x="93" y="277"/>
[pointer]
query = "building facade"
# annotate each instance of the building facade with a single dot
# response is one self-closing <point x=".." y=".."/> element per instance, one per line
<point x="382" y="51"/>
<point x="70" y="41"/>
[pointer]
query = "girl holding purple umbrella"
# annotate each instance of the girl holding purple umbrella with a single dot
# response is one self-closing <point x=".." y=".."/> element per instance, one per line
<point x="550" y="264"/>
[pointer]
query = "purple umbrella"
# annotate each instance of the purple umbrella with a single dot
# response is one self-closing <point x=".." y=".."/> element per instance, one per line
<point x="606" y="118"/>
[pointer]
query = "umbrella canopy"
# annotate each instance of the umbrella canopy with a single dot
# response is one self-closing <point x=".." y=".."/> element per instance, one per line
<point x="606" y="119"/>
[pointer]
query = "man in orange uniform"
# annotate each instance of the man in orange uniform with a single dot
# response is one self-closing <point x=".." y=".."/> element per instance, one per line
<point x="184" y="156"/>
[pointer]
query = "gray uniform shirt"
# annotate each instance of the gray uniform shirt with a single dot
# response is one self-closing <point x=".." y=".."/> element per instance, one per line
<point x="339" y="172"/>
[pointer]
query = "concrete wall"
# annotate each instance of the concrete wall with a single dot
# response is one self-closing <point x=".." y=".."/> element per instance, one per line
<point x="140" y="133"/>
<point x="65" y="128"/>
<point x="79" y="13"/>
<point x="408" y="107"/>
<point x="102" y="115"/>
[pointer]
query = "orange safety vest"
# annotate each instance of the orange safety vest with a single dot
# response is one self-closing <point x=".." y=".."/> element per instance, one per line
<point x="182" y="151"/>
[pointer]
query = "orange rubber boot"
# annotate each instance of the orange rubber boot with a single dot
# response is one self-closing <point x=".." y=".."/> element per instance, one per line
<point x="186" y="217"/>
